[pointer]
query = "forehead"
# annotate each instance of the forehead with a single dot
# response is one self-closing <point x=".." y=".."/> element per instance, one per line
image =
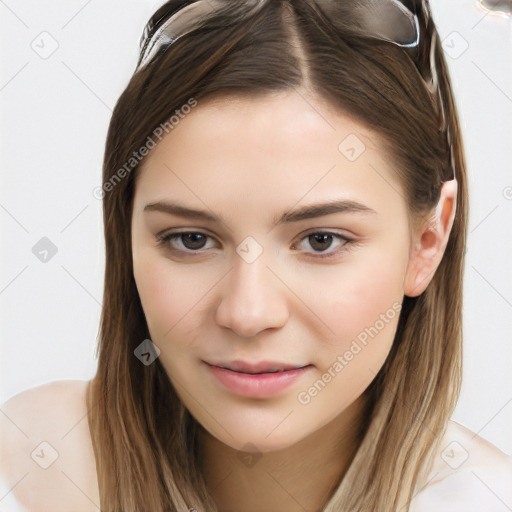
<point x="277" y="122"/>
<point x="268" y="151"/>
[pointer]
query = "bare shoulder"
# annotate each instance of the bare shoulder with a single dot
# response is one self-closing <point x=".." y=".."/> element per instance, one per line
<point x="469" y="474"/>
<point x="46" y="456"/>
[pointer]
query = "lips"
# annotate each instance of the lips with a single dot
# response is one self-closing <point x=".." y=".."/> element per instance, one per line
<point x="257" y="380"/>
<point x="258" y="368"/>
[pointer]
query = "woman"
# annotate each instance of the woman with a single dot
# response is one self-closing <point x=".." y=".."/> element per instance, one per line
<point x="285" y="208"/>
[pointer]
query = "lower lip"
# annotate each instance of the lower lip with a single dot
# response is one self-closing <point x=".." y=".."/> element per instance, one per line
<point x="259" y="385"/>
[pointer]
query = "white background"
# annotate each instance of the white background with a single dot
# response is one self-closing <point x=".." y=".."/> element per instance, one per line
<point x="55" y="114"/>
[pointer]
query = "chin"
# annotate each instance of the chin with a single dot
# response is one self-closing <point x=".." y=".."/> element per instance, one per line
<point x="261" y="438"/>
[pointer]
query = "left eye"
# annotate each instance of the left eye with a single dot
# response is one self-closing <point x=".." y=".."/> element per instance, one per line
<point x="193" y="242"/>
<point x="320" y="241"/>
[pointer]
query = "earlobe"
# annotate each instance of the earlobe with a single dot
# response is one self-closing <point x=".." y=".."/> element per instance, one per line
<point x="430" y="242"/>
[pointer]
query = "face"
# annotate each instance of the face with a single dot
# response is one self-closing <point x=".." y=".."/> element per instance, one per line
<point x="275" y="307"/>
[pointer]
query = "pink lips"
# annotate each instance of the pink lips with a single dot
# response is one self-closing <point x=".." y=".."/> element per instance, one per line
<point x="258" y="380"/>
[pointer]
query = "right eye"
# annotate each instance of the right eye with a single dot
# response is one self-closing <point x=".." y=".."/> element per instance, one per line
<point x="191" y="241"/>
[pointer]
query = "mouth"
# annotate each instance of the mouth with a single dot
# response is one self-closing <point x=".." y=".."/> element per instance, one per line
<point x="257" y="380"/>
<point x="258" y="368"/>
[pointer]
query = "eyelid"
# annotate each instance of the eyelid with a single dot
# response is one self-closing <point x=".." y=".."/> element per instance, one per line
<point x="164" y="237"/>
<point x="350" y="241"/>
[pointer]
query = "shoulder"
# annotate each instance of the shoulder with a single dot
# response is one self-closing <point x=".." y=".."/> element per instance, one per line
<point x="46" y="456"/>
<point x="469" y="474"/>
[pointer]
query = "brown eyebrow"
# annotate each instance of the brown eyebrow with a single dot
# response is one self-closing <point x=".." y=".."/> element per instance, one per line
<point x="299" y="214"/>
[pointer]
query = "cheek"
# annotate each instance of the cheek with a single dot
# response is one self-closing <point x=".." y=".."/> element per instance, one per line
<point x="361" y="293"/>
<point x="164" y="298"/>
<point x="362" y="310"/>
<point x="347" y="364"/>
<point x="176" y="302"/>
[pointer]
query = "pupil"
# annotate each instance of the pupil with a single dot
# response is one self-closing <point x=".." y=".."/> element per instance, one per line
<point x="320" y="238"/>
<point x="194" y="238"/>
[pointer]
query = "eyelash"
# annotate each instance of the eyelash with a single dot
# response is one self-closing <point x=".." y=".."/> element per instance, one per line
<point x="349" y="244"/>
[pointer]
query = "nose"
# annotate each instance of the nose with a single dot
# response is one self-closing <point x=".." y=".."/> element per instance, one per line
<point x="253" y="299"/>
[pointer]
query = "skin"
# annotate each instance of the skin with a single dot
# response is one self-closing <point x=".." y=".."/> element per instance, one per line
<point x="248" y="161"/>
<point x="265" y="157"/>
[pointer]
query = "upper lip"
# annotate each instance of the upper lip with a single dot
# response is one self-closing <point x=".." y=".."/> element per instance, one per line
<point x="261" y="367"/>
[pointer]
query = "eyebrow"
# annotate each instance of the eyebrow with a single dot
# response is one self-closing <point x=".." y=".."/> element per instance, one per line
<point x="295" y="215"/>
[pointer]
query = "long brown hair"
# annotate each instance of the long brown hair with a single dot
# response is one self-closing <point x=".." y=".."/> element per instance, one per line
<point x="145" y="441"/>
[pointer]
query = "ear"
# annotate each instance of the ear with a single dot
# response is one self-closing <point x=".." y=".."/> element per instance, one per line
<point x="429" y="242"/>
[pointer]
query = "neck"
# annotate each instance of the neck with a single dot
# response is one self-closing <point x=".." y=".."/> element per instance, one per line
<point x="300" y="477"/>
